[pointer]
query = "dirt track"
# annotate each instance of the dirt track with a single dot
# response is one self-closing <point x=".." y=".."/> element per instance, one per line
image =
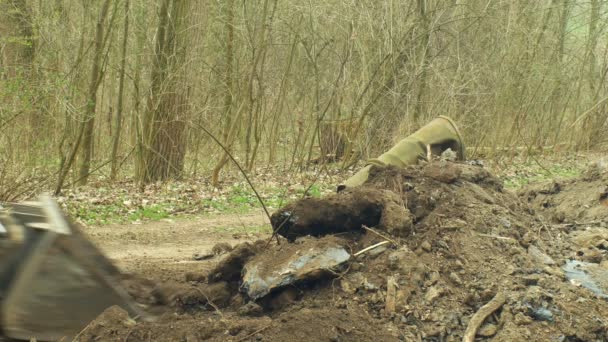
<point x="170" y="245"/>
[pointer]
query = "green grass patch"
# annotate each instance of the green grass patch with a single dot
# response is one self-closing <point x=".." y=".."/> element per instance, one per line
<point x="532" y="173"/>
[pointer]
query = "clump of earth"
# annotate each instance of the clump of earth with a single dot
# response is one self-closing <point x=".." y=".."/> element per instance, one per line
<point x="414" y="254"/>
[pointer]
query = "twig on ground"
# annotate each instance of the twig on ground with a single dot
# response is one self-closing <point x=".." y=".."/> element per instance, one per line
<point x="481" y="315"/>
<point x="371" y="230"/>
<point x="209" y="301"/>
<point x="371" y="247"/>
<point x="497" y="237"/>
<point x="577" y="223"/>
<point x="254" y="333"/>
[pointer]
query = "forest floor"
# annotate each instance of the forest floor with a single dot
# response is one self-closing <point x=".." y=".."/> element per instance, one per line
<point x="476" y="243"/>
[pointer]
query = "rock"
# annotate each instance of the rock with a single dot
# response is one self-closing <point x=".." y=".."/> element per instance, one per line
<point x="426" y="246"/>
<point x="455" y="278"/>
<point x="487" y="330"/>
<point x="554" y="271"/>
<point x="521" y="319"/>
<point x="590" y="237"/>
<point x="348" y="287"/>
<point x="292" y="263"/>
<point x="433" y="293"/>
<point x="396" y="219"/>
<point x="541" y="314"/>
<point x="539" y="256"/>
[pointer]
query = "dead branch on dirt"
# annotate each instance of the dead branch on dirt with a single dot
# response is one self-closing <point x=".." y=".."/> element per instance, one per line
<point x="481" y="315"/>
<point x="209" y="301"/>
<point x="371" y="230"/>
<point x="370" y="248"/>
<point x="497" y="237"/>
<point x="590" y="223"/>
<point x="391" y="295"/>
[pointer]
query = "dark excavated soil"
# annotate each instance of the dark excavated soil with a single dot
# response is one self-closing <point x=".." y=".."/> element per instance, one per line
<point x="457" y="240"/>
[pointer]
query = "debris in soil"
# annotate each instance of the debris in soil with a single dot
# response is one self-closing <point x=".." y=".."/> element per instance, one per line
<point x="539" y="256"/>
<point x="588" y="275"/>
<point x="464" y="258"/>
<point x="307" y="260"/>
<point x="218" y="249"/>
<point x="229" y="268"/>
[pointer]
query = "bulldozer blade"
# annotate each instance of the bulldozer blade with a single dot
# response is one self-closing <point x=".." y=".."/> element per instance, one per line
<point x="60" y="281"/>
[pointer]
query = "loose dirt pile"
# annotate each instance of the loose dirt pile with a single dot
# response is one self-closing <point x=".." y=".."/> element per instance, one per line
<point x="580" y="201"/>
<point x="456" y="242"/>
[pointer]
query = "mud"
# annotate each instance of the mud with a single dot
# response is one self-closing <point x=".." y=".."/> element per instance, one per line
<point x="456" y="240"/>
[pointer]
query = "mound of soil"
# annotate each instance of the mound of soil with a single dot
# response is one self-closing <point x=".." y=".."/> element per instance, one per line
<point x="582" y="200"/>
<point x="456" y="242"/>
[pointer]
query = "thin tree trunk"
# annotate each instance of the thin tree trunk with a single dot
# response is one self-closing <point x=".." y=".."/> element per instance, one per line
<point x="121" y="86"/>
<point x="91" y="106"/>
<point x="424" y="60"/>
<point x="229" y="126"/>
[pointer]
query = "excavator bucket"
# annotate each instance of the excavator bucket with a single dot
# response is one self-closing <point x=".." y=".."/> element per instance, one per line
<point x="435" y="137"/>
<point x="53" y="281"/>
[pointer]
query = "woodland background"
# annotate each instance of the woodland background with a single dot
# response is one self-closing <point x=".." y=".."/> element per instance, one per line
<point x="134" y="90"/>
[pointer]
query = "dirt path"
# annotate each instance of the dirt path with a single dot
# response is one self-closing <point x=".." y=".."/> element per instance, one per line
<point x="166" y="247"/>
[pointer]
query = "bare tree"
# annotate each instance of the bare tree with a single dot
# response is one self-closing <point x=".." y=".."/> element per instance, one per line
<point x="91" y="105"/>
<point x="164" y="125"/>
<point x="121" y="87"/>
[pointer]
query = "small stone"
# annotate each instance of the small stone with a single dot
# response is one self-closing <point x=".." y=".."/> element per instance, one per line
<point x="455" y="278"/>
<point x="487" y="330"/>
<point x="555" y="272"/>
<point x="541" y="314"/>
<point x="347" y="286"/>
<point x="434" y="278"/>
<point x="521" y="319"/>
<point x="426" y="246"/>
<point x="539" y="256"/>
<point x="251" y="309"/>
<point x="433" y="293"/>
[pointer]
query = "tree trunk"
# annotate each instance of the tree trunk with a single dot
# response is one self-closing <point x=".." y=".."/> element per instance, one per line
<point x="229" y="125"/>
<point x="121" y="87"/>
<point x="164" y="128"/>
<point x="91" y="106"/>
